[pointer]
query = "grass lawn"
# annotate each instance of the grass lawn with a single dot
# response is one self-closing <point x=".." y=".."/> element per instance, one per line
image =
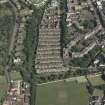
<point x="5" y="10"/>
<point x="85" y="60"/>
<point x="96" y="81"/>
<point x="36" y="1"/>
<point x="62" y="93"/>
<point x="3" y="88"/>
<point x="15" y="76"/>
<point x="6" y="28"/>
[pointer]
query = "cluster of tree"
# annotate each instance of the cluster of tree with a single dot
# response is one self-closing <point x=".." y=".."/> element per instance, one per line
<point x="6" y="26"/>
<point x="86" y="60"/>
<point x="31" y="41"/>
<point x="63" y="23"/>
<point x="48" y="77"/>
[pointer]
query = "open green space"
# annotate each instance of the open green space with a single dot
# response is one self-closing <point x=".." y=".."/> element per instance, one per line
<point x="37" y="1"/>
<point x="96" y="81"/>
<point x="7" y="19"/>
<point x="86" y="60"/>
<point x="3" y="88"/>
<point x="16" y="76"/>
<point x="62" y="93"/>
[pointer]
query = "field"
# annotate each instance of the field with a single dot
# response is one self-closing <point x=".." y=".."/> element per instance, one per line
<point x="36" y="1"/>
<point x="15" y="76"/>
<point x="3" y="88"/>
<point x="96" y="81"/>
<point x="62" y="93"/>
<point x="6" y="29"/>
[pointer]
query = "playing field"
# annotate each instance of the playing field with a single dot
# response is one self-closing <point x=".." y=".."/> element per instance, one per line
<point x="3" y="88"/>
<point x="15" y="76"/>
<point x="37" y="1"/>
<point x="62" y="93"/>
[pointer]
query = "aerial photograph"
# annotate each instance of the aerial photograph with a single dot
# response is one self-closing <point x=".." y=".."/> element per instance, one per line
<point x="52" y="52"/>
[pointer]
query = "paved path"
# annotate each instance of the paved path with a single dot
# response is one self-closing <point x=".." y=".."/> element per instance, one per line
<point x="14" y="30"/>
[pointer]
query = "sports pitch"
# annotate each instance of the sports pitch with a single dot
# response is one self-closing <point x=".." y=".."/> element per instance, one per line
<point x="3" y="88"/>
<point x="62" y="93"/>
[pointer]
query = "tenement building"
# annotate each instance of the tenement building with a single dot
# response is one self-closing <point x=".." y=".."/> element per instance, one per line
<point x="48" y="59"/>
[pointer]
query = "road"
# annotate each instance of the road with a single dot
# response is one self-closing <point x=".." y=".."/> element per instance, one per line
<point x="95" y="31"/>
<point x="8" y="66"/>
<point x="87" y="49"/>
<point x="14" y="30"/>
<point x="84" y="51"/>
<point x="86" y="36"/>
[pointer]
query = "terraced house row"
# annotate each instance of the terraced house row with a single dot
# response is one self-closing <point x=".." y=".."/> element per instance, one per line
<point x="48" y="58"/>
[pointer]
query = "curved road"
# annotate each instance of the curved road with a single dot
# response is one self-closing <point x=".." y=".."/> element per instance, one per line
<point x="7" y="68"/>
